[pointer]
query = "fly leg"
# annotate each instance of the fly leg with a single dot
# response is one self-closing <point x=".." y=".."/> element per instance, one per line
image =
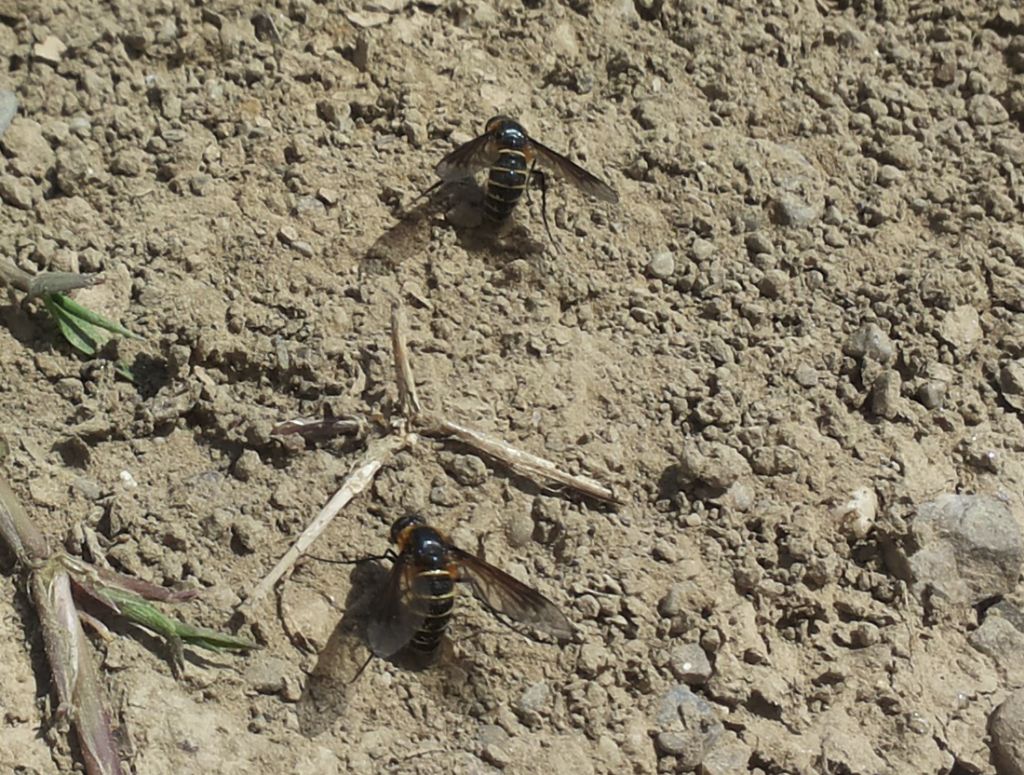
<point x="538" y="177"/>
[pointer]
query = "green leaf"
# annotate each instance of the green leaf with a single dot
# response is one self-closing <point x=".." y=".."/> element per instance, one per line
<point x="84" y="329"/>
<point x="135" y="609"/>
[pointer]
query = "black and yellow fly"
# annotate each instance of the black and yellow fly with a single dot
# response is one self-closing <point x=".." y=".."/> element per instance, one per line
<point x="515" y="161"/>
<point x="418" y="598"/>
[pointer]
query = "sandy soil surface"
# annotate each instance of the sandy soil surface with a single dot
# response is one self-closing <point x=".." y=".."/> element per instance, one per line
<point x="810" y="292"/>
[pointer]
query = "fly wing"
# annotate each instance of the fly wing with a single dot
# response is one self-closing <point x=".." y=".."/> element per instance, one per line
<point x="574" y="173"/>
<point x="395" y="619"/>
<point x="468" y="159"/>
<point x="504" y="594"/>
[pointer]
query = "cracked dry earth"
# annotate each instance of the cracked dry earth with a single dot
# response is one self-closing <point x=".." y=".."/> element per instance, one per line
<point x="801" y="325"/>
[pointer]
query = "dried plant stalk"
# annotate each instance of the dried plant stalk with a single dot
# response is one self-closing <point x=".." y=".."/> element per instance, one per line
<point x="532" y="466"/>
<point x="356" y="482"/>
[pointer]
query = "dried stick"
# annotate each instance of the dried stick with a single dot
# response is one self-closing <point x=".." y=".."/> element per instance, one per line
<point x="407" y="397"/>
<point x="377" y="454"/>
<point x="520" y="461"/>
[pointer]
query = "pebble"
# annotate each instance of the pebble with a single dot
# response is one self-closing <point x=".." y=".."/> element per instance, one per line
<point x="729" y="756"/>
<point x="961" y="327"/>
<point x="467" y="470"/>
<point x="675" y="601"/>
<point x="857" y="515"/>
<point x="531" y="702"/>
<point x="718" y="466"/>
<point x="247" y="466"/>
<point x="885" y="394"/>
<point x="8" y="109"/>
<point x="687" y="726"/>
<point x="872" y="342"/>
<point x="1011" y="383"/>
<point x="999" y="639"/>
<point x="986" y="110"/>
<point x="662" y="265"/>
<point x="1007" y="731"/>
<point x="520" y="530"/>
<point x="702" y="249"/>
<point x="969" y="548"/>
<point x="33" y="156"/>
<point x="592" y="660"/>
<point x="791" y="210"/>
<point x="51" y="49"/>
<point x="15" y="193"/>
<point x="690" y="664"/>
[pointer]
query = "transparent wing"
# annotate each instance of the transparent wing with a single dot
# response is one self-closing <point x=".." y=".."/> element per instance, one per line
<point x="468" y="158"/>
<point x="395" y="619"/>
<point x="504" y="594"/>
<point x="574" y="173"/>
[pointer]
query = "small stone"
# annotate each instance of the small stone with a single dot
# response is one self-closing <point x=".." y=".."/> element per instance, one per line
<point x="961" y="327"/>
<point x="903" y="153"/>
<point x="774" y="284"/>
<point x="932" y="394"/>
<point x="247" y="534"/>
<point x="729" y="756"/>
<point x="87" y="488"/>
<point x="791" y="210"/>
<point x="1007" y="730"/>
<point x="687" y="726"/>
<point x="247" y="466"/>
<point x="885" y="394"/>
<point x="759" y="243"/>
<point x="805" y="376"/>
<point x="592" y="660"/>
<point x="14" y="193"/>
<point x="287" y="234"/>
<point x="467" y="470"/>
<point x="661" y="265"/>
<point x="1011" y="382"/>
<point x="872" y="342"/>
<point x="718" y="466"/>
<point x="986" y="110"/>
<point x="888" y="174"/>
<point x="690" y="664"/>
<point x="702" y="249"/>
<point x="968" y="548"/>
<point x="32" y="155"/>
<point x="531" y="702"/>
<point x="8" y="109"/>
<point x="857" y="515"/>
<point x="675" y="601"/>
<point x="1000" y="640"/>
<point x="520" y="530"/>
<point x="50" y="50"/>
<point x="303" y="248"/>
<point x="266" y="674"/>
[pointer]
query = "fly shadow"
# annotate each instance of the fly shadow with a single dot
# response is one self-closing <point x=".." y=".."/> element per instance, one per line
<point x="455" y="205"/>
<point x="336" y="678"/>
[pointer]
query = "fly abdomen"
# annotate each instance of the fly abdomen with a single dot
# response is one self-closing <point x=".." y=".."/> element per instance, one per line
<point x="436" y="607"/>
<point x="506" y="182"/>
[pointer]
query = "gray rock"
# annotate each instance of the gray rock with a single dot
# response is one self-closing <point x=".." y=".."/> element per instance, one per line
<point x="729" y="756"/>
<point x="15" y="193"/>
<point x="872" y="342"/>
<point x="467" y="470"/>
<point x="967" y="548"/>
<point x="961" y="327"/>
<point x="885" y="394"/>
<point x="8" y="109"/>
<point x="1004" y="643"/>
<point x="717" y="465"/>
<point x="1011" y="382"/>
<point x="791" y="210"/>
<point x="984" y="110"/>
<point x="32" y="154"/>
<point x="690" y="664"/>
<point x="702" y="249"/>
<point x="662" y="265"/>
<point x="686" y="726"/>
<point x="1007" y="730"/>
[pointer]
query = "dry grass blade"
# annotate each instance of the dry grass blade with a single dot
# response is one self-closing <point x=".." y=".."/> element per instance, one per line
<point x="407" y="397"/>
<point x="522" y="462"/>
<point x="356" y="482"/>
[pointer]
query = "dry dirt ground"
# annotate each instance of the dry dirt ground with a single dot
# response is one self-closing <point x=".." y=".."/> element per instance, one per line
<point x="812" y="286"/>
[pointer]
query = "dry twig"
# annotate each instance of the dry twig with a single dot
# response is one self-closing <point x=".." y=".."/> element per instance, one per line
<point x="412" y="417"/>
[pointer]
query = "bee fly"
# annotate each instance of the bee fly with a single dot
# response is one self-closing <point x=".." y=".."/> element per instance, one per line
<point x="512" y="158"/>
<point x="418" y="598"/>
